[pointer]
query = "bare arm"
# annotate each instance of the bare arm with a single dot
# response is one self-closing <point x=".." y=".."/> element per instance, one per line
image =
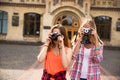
<point x="97" y="44"/>
<point x="42" y="55"/>
<point x="76" y="46"/>
<point x="66" y="55"/>
<point x="98" y="56"/>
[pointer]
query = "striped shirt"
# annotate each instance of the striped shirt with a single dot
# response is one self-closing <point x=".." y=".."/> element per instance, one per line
<point x="93" y="64"/>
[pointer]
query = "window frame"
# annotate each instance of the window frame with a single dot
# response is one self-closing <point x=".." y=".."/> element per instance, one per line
<point x="104" y="27"/>
<point x="3" y="18"/>
<point x="28" y="22"/>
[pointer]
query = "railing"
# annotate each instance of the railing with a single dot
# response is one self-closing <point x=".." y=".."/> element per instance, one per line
<point x="68" y="0"/>
<point x="115" y="4"/>
<point x="25" y="1"/>
<point x="79" y="2"/>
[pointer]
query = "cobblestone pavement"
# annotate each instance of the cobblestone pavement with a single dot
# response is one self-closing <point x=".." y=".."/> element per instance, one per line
<point x="18" y="62"/>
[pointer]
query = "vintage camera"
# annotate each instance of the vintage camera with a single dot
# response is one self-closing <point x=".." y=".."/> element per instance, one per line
<point x="86" y="36"/>
<point x="54" y="36"/>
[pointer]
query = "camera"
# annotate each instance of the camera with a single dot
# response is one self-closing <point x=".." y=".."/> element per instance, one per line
<point x="54" y="36"/>
<point x="86" y="36"/>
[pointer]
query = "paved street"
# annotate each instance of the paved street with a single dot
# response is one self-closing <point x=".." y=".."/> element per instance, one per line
<point x="18" y="62"/>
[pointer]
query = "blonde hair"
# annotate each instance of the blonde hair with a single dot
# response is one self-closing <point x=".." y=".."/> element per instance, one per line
<point x="93" y="25"/>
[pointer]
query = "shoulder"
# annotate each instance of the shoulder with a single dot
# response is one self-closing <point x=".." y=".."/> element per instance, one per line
<point x="68" y="50"/>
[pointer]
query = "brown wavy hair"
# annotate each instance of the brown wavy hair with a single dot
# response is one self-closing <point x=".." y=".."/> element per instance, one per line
<point x="63" y="32"/>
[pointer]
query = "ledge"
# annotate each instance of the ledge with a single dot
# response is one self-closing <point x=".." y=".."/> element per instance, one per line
<point x="21" y="42"/>
<point x="40" y="43"/>
<point x="22" y="4"/>
<point x="112" y="47"/>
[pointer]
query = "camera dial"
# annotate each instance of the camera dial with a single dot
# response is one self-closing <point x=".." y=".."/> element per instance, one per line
<point x="87" y="30"/>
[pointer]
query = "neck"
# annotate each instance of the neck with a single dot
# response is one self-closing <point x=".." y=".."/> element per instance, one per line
<point x="87" y="45"/>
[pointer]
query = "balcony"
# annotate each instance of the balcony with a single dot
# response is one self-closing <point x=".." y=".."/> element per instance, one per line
<point x="35" y="3"/>
<point x="56" y="4"/>
<point x="79" y="2"/>
<point x="106" y="4"/>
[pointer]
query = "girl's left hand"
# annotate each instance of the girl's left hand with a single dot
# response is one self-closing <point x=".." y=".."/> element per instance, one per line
<point x="60" y="40"/>
<point x="94" y="32"/>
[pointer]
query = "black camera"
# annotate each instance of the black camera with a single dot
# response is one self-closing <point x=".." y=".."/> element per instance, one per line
<point x="86" y="36"/>
<point x="54" y="36"/>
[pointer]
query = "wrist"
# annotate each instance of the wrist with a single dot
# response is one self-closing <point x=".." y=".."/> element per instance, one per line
<point x="60" y="46"/>
<point x="46" y="45"/>
<point x="97" y="49"/>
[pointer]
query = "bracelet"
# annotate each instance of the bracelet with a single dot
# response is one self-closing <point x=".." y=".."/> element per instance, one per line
<point x="46" y="45"/>
<point x="97" y="49"/>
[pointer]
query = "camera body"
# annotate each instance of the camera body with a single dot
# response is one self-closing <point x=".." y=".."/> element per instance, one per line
<point x="54" y="36"/>
<point x="86" y="36"/>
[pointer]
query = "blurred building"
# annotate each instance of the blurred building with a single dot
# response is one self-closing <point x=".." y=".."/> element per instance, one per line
<point x="31" y="20"/>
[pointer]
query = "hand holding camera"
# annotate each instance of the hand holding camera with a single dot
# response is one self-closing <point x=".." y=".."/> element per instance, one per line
<point x="86" y="35"/>
<point x="54" y="36"/>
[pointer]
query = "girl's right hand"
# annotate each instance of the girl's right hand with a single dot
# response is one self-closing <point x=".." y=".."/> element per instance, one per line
<point x="80" y="31"/>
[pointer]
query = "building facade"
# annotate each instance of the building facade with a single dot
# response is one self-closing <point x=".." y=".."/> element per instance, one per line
<point x="31" y="20"/>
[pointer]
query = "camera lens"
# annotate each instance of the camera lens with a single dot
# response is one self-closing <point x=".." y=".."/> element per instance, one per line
<point x="55" y="35"/>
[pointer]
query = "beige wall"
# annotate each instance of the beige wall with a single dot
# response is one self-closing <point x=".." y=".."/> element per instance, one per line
<point x="16" y="33"/>
<point x="48" y="17"/>
<point x="114" y="14"/>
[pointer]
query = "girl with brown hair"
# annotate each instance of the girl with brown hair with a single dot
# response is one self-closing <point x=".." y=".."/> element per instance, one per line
<point x="56" y="54"/>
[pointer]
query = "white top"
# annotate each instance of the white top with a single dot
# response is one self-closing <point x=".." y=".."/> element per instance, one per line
<point x="84" y="70"/>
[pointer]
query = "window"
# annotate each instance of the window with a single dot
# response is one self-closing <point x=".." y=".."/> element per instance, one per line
<point x="43" y="1"/>
<point x="98" y="2"/>
<point x="110" y="3"/>
<point x="103" y="24"/>
<point x="118" y="25"/>
<point x="80" y="2"/>
<point x="22" y="0"/>
<point x="104" y="3"/>
<point x="93" y="2"/>
<point x="3" y="22"/>
<point x="38" y="0"/>
<point x="68" y="20"/>
<point x="32" y="24"/>
<point x="10" y="0"/>
<point x="15" y="20"/>
<point x="55" y="2"/>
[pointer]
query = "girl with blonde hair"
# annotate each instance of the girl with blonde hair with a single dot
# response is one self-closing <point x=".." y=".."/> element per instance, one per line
<point x="87" y="53"/>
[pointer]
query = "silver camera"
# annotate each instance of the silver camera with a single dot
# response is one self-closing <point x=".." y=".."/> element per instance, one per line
<point x="87" y="30"/>
<point x="86" y="36"/>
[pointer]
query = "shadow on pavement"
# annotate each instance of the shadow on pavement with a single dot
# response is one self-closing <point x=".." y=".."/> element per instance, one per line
<point x="21" y="59"/>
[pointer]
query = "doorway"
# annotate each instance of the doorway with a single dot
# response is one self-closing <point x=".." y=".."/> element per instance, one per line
<point x="70" y="22"/>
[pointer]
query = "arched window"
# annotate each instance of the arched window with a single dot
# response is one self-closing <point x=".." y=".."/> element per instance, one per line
<point x="71" y="23"/>
<point x="32" y="24"/>
<point x="68" y="20"/>
<point x="3" y="22"/>
<point x="103" y="24"/>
